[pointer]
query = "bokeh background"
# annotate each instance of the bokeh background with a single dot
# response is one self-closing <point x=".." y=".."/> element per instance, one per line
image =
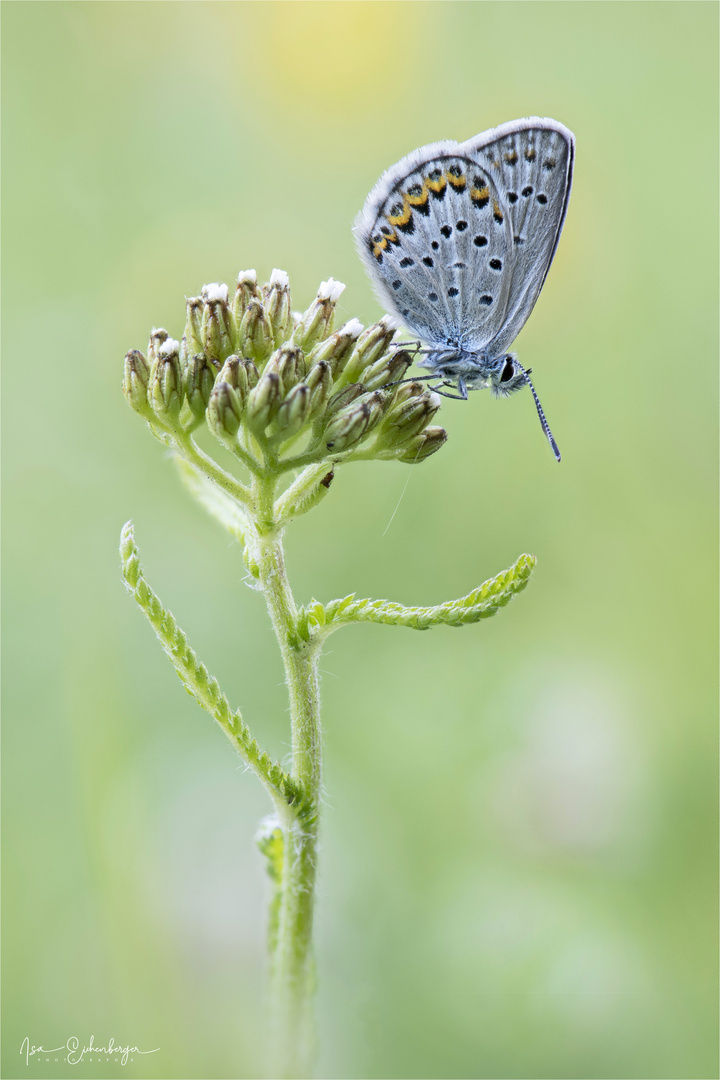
<point x="519" y="843"/>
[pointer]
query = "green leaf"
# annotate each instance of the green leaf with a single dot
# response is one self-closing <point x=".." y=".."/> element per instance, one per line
<point x="204" y="687"/>
<point x="481" y="603"/>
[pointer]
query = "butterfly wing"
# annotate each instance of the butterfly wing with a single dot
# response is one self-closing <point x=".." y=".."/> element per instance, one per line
<point x="437" y="241"/>
<point x="531" y="162"/>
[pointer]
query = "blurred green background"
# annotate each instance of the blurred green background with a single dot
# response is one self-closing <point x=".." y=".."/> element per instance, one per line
<point x="519" y="845"/>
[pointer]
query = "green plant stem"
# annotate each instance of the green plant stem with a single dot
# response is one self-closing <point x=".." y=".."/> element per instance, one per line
<point x="227" y="483"/>
<point x="292" y="968"/>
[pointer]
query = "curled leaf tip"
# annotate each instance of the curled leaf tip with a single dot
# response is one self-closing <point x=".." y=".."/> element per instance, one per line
<point x="481" y="603"/>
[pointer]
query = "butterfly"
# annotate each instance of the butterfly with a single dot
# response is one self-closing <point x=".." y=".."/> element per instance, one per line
<point x="458" y="238"/>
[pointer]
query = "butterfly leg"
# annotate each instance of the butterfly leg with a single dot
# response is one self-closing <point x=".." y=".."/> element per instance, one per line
<point x="443" y="393"/>
<point x="411" y="346"/>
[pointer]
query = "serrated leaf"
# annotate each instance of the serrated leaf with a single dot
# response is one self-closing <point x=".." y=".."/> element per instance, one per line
<point x="481" y="603"/>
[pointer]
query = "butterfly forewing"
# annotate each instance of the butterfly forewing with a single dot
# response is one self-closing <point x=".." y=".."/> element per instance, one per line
<point x="438" y="240"/>
<point x="531" y="162"/>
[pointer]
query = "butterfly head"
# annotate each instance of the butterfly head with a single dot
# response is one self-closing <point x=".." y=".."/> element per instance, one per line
<point x="506" y="376"/>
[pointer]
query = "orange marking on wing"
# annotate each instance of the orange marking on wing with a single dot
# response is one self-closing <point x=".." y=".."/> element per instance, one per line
<point x="404" y="217"/>
<point x="458" y="182"/>
<point x="419" y="200"/>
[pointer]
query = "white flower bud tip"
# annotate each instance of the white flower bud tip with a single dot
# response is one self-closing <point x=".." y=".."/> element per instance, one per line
<point x="279" y="278"/>
<point x="389" y="323"/>
<point x="215" y="293"/>
<point x="247" y="277"/>
<point x="330" y="290"/>
<point x="434" y="400"/>
<point x="352" y="329"/>
<point x="168" y="347"/>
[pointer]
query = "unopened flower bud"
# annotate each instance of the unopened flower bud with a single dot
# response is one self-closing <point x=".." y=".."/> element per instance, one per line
<point x="245" y="291"/>
<point x="135" y="382"/>
<point x="199" y="381"/>
<point x="277" y="305"/>
<point x="166" y="390"/>
<point x="389" y="368"/>
<point x="289" y="363"/>
<point x="338" y="347"/>
<point x="316" y="323"/>
<point x="264" y="401"/>
<point x="241" y="375"/>
<point x="355" y="422"/>
<point x="251" y="372"/>
<point x="224" y="411"/>
<point x="157" y="338"/>
<point x="342" y="399"/>
<point x="218" y="332"/>
<point x="404" y="421"/>
<point x="293" y="411"/>
<point x="404" y="392"/>
<point x="319" y="383"/>
<point x="370" y="346"/>
<point x="257" y="339"/>
<point x="193" y="325"/>
<point x="423" y="445"/>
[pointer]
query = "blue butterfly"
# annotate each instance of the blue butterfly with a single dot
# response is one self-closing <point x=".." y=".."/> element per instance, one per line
<point x="458" y="239"/>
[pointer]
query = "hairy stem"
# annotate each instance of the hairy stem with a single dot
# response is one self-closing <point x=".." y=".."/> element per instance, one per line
<point x="292" y="973"/>
<point x="227" y="483"/>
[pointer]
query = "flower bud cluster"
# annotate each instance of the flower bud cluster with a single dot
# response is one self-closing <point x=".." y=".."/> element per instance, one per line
<point x="255" y="371"/>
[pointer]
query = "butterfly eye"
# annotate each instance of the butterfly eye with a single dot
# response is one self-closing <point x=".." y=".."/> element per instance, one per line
<point x="508" y="370"/>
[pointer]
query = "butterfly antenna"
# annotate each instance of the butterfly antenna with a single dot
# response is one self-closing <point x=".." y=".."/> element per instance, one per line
<point x="541" y="414"/>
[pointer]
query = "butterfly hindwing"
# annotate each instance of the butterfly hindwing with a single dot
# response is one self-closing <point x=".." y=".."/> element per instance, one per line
<point x="531" y="161"/>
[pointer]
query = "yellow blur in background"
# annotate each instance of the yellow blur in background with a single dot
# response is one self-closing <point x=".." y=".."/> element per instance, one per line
<point x="519" y="843"/>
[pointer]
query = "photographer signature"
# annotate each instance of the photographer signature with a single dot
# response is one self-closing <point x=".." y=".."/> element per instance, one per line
<point x="74" y="1053"/>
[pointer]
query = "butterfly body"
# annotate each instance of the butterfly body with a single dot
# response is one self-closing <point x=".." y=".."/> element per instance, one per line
<point x="458" y="239"/>
<point x="475" y="370"/>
